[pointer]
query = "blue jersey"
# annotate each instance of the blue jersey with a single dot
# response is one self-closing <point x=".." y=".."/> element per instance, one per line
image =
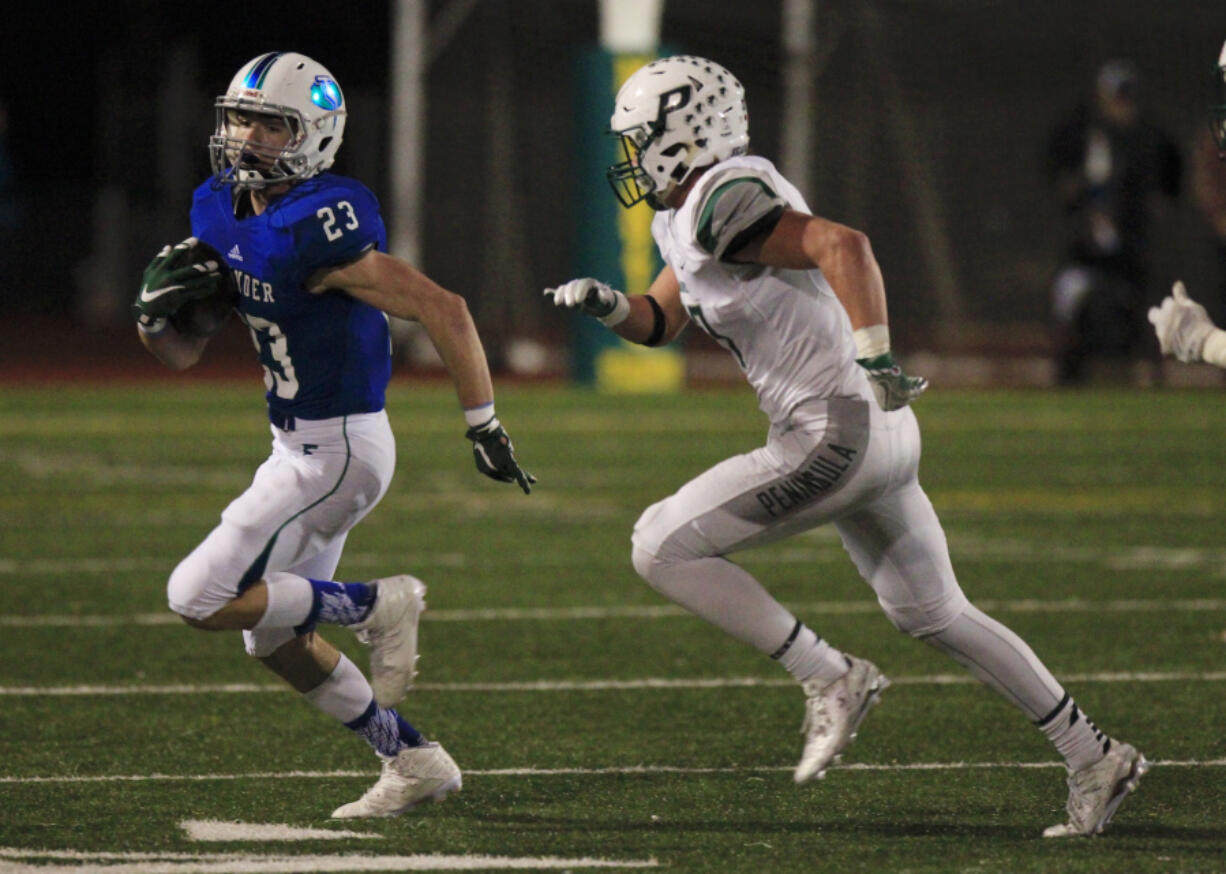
<point x="323" y="354"/>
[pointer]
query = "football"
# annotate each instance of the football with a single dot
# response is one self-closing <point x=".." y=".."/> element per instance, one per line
<point x="205" y="316"/>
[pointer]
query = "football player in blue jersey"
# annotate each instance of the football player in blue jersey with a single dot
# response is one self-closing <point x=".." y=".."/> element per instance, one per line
<point x="306" y="250"/>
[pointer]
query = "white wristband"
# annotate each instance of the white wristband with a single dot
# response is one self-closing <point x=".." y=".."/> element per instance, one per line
<point x="872" y="341"/>
<point x="477" y="416"/>
<point x="621" y="310"/>
<point x="1214" y="350"/>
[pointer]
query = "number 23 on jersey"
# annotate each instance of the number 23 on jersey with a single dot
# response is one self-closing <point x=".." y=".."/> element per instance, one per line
<point x="334" y="225"/>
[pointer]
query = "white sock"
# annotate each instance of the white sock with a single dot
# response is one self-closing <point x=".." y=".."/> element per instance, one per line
<point x="1077" y="739"/>
<point x="809" y="658"/>
<point x="290" y="600"/>
<point x="345" y="694"/>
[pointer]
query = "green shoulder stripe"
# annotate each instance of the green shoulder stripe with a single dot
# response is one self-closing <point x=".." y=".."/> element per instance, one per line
<point x="704" y="234"/>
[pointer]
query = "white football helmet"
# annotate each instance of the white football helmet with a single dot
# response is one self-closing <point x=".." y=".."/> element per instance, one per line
<point x="673" y="116"/>
<point x="303" y="94"/>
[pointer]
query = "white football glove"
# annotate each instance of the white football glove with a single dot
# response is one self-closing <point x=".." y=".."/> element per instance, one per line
<point x="1182" y="325"/>
<point x="593" y="297"/>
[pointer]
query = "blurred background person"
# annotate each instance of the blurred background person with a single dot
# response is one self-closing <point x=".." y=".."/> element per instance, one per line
<point x="1209" y="184"/>
<point x="1114" y="172"/>
<point x="1184" y="328"/>
<point x="10" y="207"/>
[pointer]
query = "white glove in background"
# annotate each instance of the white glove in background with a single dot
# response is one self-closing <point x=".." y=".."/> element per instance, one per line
<point x="1182" y="325"/>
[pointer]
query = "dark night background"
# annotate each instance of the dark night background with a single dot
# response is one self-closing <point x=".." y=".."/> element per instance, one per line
<point x="963" y="92"/>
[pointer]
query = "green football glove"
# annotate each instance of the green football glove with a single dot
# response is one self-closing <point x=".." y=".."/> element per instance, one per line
<point x="176" y="275"/>
<point x="894" y="389"/>
<point x="495" y="455"/>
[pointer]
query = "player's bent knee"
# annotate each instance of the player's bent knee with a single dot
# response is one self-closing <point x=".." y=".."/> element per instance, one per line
<point x="193" y="593"/>
<point x="645" y="564"/>
<point x="919" y="622"/>
<point x="183" y="598"/>
<point x="654" y="570"/>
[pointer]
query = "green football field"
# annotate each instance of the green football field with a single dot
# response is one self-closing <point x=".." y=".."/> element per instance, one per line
<point x="597" y="725"/>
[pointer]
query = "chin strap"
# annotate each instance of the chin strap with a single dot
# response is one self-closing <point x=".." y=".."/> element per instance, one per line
<point x="249" y="176"/>
<point x="254" y="178"/>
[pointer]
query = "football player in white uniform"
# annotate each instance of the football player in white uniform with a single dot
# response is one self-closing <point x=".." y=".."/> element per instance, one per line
<point x="308" y="251"/>
<point x="1183" y="326"/>
<point x="799" y="302"/>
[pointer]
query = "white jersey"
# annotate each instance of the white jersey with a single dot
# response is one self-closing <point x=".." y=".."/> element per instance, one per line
<point x="785" y="328"/>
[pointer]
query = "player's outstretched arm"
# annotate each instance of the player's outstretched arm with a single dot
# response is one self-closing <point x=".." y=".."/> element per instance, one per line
<point x="1185" y="330"/>
<point x="400" y="290"/>
<point x="172" y="280"/>
<point x="801" y="242"/>
<point x="650" y="319"/>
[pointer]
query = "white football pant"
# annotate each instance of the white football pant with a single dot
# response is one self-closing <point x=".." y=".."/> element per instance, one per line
<point x="321" y="479"/>
<point x="845" y="462"/>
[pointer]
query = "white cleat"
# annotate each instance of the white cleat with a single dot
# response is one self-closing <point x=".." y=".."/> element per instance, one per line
<point x="833" y="713"/>
<point x="391" y="633"/>
<point x="1095" y="792"/>
<point x="413" y="776"/>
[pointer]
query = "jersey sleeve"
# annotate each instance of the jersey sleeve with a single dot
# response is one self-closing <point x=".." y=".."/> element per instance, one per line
<point x="734" y="211"/>
<point x="334" y="226"/>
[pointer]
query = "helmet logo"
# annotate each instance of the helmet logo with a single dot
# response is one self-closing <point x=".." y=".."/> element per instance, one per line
<point x="258" y="71"/>
<point x="674" y="100"/>
<point x="325" y="93"/>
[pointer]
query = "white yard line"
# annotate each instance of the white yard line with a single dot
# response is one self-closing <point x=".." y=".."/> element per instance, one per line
<point x="666" y="611"/>
<point x="219" y="830"/>
<point x="259" y="863"/>
<point x="587" y="685"/>
<point x="645" y="770"/>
